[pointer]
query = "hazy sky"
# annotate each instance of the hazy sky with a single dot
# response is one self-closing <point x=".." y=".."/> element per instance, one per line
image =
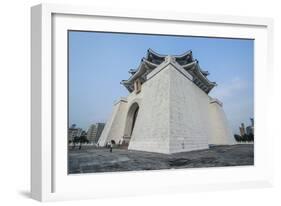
<point x="99" y="61"/>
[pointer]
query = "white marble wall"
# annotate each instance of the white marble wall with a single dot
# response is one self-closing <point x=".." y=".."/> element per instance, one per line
<point x="151" y="132"/>
<point x="115" y="125"/>
<point x="174" y="115"/>
<point x="188" y="114"/>
<point x="220" y="133"/>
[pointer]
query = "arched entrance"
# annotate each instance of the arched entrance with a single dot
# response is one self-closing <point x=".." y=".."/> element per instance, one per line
<point x="130" y="122"/>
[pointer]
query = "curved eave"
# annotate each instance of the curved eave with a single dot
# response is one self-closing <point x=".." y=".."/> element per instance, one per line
<point x="199" y="73"/>
<point x="202" y="77"/>
<point x="203" y="86"/>
<point x="128" y="85"/>
<point x="199" y="78"/>
<point x="141" y="70"/>
<point x="149" y="63"/>
<point x="154" y="59"/>
<point x="206" y="73"/>
<point x="192" y="64"/>
<point x="186" y="55"/>
<point x="132" y="71"/>
<point x="189" y="65"/>
<point x="143" y="67"/>
<point x="155" y="54"/>
<point x="208" y="89"/>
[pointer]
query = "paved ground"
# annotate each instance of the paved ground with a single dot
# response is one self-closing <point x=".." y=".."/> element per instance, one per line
<point x="90" y="159"/>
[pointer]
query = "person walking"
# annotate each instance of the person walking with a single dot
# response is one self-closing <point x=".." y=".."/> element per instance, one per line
<point x="112" y="142"/>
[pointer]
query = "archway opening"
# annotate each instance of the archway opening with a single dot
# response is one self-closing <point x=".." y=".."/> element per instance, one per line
<point x="134" y="119"/>
<point x="130" y="123"/>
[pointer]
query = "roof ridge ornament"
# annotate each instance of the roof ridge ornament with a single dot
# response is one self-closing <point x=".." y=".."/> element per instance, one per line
<point x="186" y="61"/>
<point x="170" y="59"/>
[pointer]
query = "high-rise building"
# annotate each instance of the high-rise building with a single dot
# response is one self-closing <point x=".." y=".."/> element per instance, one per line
<point x="100" y="127"/>
<point x="94" y="132"/>
<point x="242" y="129"/>
<point x="91" y="133"/>
<point x="250" y="130"/>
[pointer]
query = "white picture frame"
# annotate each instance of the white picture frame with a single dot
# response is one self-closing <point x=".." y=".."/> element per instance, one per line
<point x="49" y="179"/>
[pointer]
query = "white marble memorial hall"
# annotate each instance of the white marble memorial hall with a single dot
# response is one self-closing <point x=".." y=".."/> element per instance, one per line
<point x="168" y="109"/>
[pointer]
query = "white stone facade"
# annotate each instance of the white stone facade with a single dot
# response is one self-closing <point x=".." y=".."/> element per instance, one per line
<point x="174" y="115"/>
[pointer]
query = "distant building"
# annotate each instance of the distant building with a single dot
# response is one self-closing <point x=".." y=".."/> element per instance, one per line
<point x="242" y="129"/>
<point x="74" y="132"/>
<point x="94" y="132"/>
<point x="100" y="127"/>
<point x="250" y="130"/>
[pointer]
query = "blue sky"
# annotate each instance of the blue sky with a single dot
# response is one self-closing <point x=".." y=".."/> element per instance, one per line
<point x="99" y="61"/>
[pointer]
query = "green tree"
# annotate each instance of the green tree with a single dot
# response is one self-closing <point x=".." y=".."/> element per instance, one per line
<point x="251" y="137"/>
<point x="238" y="138"/>
<point x="83" y="139"/>
<point x="76" y="140"/>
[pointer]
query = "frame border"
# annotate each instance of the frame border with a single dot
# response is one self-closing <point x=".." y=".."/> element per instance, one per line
<point x="42" y="122"/>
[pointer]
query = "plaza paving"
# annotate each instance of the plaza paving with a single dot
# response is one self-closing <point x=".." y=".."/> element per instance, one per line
<point x="90" y="159"/>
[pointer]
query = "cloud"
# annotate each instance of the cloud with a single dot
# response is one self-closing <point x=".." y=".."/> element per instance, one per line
<point x="230" y="89"/>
